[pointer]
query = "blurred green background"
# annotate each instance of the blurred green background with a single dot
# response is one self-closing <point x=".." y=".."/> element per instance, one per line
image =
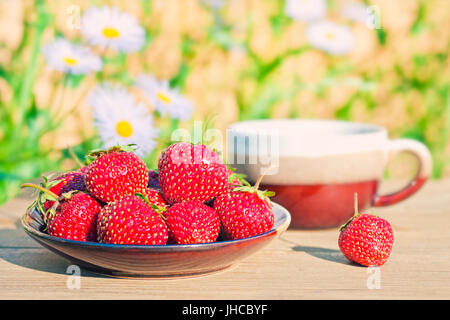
<point x="241" y="59"/>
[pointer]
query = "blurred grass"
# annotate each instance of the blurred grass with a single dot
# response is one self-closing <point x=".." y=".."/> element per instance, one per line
<point x="244" y="60"/>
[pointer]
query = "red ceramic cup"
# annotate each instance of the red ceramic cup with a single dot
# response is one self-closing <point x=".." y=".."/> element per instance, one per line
<point x="318" y="165"/>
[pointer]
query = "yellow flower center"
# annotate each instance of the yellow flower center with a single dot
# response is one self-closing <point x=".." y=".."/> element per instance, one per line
<point x="124" y="129"/>
<point x="70" y="61"/>
<point x="330" y="36"/>
<point x="111" y="33"/>
<point x="163" y="97"/>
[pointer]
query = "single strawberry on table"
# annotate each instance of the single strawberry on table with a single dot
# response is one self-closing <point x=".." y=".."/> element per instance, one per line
<point x="366" y="239"/>
<point x="192" y="222"/>
<point x="115" y="173"/>
<point x="245" y="212"/>
<point x="131" y="220"/>
<point x="191" y="172"/>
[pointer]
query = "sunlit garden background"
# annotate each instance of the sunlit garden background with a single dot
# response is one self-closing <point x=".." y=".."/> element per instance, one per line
<point x="79" y="75"/>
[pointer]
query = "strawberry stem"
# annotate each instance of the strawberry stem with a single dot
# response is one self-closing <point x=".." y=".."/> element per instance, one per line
<point x="262" y="194"/>
<point x="75" y="158"/>
<point x="256" y="186"/>
<point x="160" y="210"/>
<point x="206" y="126"/>
<point x="31" y="185"/>
<point x="356" y="213"/>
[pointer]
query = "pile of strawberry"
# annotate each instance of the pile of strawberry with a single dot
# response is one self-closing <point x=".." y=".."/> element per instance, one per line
<point x="192" y="198"/>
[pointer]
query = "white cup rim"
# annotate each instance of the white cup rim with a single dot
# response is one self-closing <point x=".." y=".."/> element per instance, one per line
<point x="307" y="137"/>
<point x="334" y="129"/>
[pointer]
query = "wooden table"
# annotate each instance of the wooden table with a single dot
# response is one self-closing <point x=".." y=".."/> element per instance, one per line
<point x="298" y="265"/>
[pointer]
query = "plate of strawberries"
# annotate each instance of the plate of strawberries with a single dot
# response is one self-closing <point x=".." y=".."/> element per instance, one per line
<point x="191" y="216"/>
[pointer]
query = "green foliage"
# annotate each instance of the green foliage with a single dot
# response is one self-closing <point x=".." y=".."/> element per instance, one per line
<point x="23" y="123"/>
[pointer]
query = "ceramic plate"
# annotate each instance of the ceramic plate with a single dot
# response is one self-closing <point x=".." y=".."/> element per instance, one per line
<point x="154" y="260"/>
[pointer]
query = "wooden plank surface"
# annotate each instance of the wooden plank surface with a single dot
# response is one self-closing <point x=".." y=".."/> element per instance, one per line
<point x="298" y="265"/>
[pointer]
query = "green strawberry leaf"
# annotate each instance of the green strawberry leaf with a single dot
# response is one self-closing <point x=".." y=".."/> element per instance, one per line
<point x="96" y="153"/>
<point x="68" y="195"/>
<point x="240" y="176"/>
<point x="131" y="148"/>
<point x="143" y="197"/>
<point x="159" y="209"/>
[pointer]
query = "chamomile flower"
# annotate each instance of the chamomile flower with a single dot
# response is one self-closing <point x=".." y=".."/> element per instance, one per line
<point x="305" y="10"/>
<point x="357" y="12"/>
<point x="330" y="37"/>
<point x="120" y="120"/>
<point x="64" y="56"/>
<point x="107" y="27"/>
<point x="165" y="99"/>
<point x="213" y="4"/>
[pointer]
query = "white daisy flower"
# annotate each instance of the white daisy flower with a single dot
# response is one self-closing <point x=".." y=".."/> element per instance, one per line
<point x="214" y="4"/>
<point x="357" y="12"/>
<point x="330" y="37"/>
<point x="165" y="99"/>
<point x="305" y="10"/>
<point x="64" y="56"/>
<point x="110" y="28"/>
<point x="120" y="120"/>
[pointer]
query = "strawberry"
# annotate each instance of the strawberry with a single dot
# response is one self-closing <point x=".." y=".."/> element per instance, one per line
<point x="75" y="218"/>
<point x="154" y="197"/>
<point x="115" y="173"/>
<point x="191" y="172"/>
<point x="82" y="169"/>
<point x="131" y="220"/>
<point x="72" y="216"/>
<point x="192" y="222"/>
<point x="51" y="190"/>
<point x="64" y="183"/>
<point x="153" y="179"/>
<point x="366" y="239"/>
<point x="235" y="179"/>
<point x="245" y="212"/>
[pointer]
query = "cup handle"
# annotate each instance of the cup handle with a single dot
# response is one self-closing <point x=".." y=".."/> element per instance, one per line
<point x="421" y="152"/>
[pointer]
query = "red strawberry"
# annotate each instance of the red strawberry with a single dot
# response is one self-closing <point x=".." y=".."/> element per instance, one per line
<point x="72" y="181"/>
<point x="191" y="172"/>
<point x="366" y="239"/>
<point x="192" y="222"/>
<point x="154" y="197"/>
<point x="130" y="220"/>
<point x="83" y="169"/>
<point x="66" y="182"/>
<point x="115" y="173"/>
<point x="245" y="212"/>
<point x="75" y="218"/>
